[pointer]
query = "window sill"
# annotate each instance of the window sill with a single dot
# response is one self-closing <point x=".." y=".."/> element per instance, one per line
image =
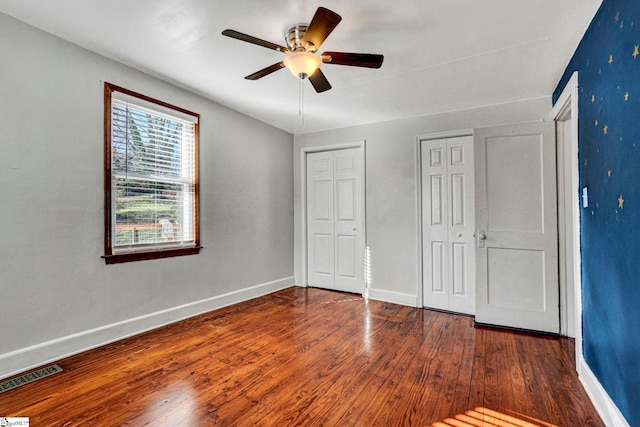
<point x="141" y="256"/>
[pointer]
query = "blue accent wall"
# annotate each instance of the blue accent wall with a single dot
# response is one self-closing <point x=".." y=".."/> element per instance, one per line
<point x="608" y="62"/>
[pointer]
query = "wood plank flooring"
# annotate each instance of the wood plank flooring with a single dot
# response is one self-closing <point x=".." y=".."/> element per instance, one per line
<point x="310" y="357"/>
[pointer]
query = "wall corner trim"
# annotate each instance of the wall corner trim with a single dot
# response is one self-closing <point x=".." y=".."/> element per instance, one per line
<point x="24" y="359"/>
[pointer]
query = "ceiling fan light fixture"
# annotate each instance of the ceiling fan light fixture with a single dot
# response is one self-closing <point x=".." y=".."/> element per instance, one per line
<point x="302" y="64"/>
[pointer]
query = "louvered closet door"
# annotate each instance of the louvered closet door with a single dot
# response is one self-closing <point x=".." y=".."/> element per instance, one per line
<point x="334" y="220"/>
<point x="448" y="224"/>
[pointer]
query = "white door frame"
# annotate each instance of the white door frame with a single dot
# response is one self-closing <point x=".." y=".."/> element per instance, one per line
<point x="303" y="201"/>
<point x="566" y="108"/>
<point x="418" y="156"/>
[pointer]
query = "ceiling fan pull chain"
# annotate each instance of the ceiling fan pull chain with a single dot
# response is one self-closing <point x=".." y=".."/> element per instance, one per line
<point x="301" y="106"/>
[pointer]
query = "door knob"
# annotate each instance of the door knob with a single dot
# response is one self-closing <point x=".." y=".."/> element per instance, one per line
<point x="481" y="238"/>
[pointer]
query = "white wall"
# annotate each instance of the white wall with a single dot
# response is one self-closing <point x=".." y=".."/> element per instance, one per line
<point x="391" y="188"/>
<point x="56" y="293"/>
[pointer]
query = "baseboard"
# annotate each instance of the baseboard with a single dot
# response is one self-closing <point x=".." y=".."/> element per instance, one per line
<point x="391" y="296"/>
<point x="28" y="358"/>
<point x="607" y="409"/>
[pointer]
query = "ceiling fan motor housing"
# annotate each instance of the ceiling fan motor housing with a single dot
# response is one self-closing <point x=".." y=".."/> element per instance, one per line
<point x="294" y="38"/>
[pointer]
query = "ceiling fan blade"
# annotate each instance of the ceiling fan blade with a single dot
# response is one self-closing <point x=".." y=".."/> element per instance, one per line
<point x="254" y="40"/>
<point x="265" y="71"/>
<point x="319" y="81"/>
<point x="368" y="60"/>
<point x="322" y="24"/>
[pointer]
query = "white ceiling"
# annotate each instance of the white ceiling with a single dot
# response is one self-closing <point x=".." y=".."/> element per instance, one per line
<point x="440" y="55"/>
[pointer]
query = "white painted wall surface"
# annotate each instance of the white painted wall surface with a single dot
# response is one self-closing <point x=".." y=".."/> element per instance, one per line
<point x="57" y="294"/>
<point x="391" y="188"/>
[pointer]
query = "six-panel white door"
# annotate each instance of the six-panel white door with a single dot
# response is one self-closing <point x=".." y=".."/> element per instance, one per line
<point x="334" y="220"/>
<point x="448" y="224"/>
<point x="516" y="217"/>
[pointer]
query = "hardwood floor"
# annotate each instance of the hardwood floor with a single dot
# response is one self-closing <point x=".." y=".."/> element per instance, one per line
<point x="305" y="356"/>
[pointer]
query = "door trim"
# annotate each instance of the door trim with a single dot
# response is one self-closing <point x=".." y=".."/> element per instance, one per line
<point x="303" y="202"/>
<point x="419" y="303"/>
<point x="567" y="107"/>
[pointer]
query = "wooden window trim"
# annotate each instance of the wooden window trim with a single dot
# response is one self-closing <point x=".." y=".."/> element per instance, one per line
<point x="115" y="258"/>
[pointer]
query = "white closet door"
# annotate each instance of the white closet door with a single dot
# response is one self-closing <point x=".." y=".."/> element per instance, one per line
<point x="348" y="216"/>
<point x="334" y="220"/>
<point x="320" y="220"/>
<point x="448" y="224"/>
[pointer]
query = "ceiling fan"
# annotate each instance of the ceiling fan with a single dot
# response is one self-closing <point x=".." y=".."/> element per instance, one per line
<point x="302" y="42"/>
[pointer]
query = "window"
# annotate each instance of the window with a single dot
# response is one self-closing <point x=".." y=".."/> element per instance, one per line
<point x="151" y="178"/>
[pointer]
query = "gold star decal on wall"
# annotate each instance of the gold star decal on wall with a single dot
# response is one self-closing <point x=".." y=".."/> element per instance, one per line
<point x="593" y="98"/>
<point x="626" y="96"/>
<point x="610" y="59"/>
<point x="605" y="129"/>
<point x="597" y="122"/>
<point x="636" y="51"/>
<point x="620" y="202"/>
<point x="609" y="172"/>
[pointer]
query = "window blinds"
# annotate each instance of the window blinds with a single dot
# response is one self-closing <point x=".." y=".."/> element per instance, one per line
<point x="152" y="175"/>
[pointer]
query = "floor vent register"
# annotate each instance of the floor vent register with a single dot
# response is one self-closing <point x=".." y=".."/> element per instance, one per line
<point x="28" y="378"/>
